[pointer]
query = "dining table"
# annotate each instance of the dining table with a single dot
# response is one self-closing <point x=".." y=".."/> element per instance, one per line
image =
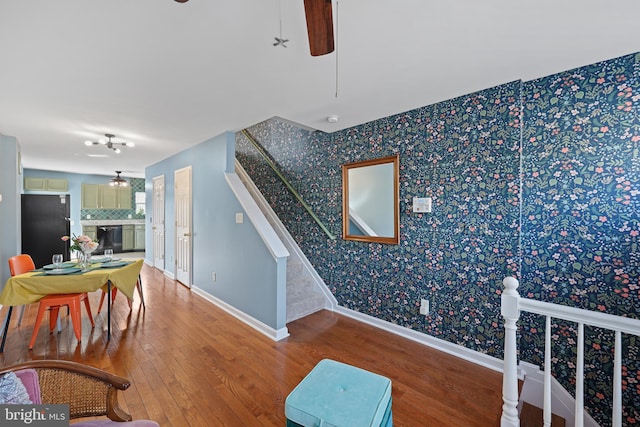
<point x="70" y="277"/>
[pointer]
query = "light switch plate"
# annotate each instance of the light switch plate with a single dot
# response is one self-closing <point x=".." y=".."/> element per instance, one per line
<point x="239" y="218"/>
<point x="422" y="204"/>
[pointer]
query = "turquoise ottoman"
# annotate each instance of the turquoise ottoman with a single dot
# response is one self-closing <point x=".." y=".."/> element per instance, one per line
<point x="334" y="394"/>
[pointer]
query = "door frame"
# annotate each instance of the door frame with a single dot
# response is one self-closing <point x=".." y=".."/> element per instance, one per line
<point x="158" y="236"/>
<point x="183" y="234"/>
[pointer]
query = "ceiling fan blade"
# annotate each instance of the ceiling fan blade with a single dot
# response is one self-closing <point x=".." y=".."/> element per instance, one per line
<point x="319" y="26"/>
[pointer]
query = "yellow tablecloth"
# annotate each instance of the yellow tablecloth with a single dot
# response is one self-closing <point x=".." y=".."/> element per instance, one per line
<point x="30" y="287"/>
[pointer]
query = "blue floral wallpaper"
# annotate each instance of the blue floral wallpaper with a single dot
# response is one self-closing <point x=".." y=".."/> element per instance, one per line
<point x="535" y="179"/>
<point x="581" y="216"/>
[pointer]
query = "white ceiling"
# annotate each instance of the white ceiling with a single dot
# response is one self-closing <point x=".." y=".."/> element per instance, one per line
<point x="167" y="76"/>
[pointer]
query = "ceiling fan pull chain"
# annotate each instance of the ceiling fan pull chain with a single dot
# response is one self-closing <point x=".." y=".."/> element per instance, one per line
<point x="280" y="15"/>
<point x="281" y="40"/>
<point x="336" y="44"/>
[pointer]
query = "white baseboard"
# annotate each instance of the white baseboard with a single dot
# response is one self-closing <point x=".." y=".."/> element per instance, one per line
<point x="436" y="343"/>
<point x="562" y="402"/>
<point x="274" y="334"/>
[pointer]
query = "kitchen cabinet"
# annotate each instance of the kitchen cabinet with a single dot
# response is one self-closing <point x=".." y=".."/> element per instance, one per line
<point x="59" y="185"/>
<point x="128" y="237"/>
<point x="35" y="184"/>
<point x="46" y="184"/>
<point x="123" y="197"/>
<point x="90" y="231"/>
<point x="138" y="241"/>
<point x="98" y="196"/>
<point x="90" y="196"/>
<point x="108" y="197"/>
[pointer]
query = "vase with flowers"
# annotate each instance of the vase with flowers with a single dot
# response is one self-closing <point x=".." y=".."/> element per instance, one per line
<point x="83" y="246"/>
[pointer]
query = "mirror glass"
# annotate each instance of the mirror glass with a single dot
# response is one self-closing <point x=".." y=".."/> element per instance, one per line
<point x="370" y="207"/>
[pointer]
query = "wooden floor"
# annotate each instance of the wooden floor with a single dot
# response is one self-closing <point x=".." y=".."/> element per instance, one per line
<point x="192" y="364"/>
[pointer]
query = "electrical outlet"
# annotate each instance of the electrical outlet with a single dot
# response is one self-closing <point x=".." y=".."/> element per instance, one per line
<point x="213" y="277"/>
<point x="424" y="307"/>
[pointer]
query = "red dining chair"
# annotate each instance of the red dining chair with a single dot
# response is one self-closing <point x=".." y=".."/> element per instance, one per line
<point x="53" y="303"/>
<point x="23" y="263"/>
<point x="19" y="264"/>
<point x="114" y="292"/>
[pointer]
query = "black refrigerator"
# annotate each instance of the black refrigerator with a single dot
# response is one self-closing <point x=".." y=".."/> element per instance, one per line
<point x="45" y="219"/>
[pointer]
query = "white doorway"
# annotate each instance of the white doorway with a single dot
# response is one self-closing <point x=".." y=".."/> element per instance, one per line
<point x="183" y="225"/>
<point x="157" y="222"/>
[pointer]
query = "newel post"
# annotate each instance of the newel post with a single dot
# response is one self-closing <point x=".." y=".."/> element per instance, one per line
<point x="511" y="313"/>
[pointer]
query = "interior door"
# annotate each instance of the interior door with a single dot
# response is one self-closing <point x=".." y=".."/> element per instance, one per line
<point x="183" y="225"/>
<point x="157" y="222"/>
<point x="45" y="219"/>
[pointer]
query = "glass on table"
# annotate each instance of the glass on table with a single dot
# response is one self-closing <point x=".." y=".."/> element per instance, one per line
<point x="108" y="253"/>
<point x="57" y="261"/>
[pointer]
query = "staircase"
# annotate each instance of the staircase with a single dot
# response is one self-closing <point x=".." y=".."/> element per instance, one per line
<point x="306" y="292"/>
<point x="531" y="416"/>
<point x="302" y="299"/>
<point x="544" y="390"/>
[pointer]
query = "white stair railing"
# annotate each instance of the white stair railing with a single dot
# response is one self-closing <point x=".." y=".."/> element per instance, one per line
<point x="512" y="305"/>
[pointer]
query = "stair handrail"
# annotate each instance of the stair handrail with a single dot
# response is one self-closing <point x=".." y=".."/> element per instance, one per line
<point x="511" y="305"/>
<point x="293" y="191"/>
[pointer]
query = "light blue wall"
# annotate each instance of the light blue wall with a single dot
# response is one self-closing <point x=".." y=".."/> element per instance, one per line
<point x="9" y="206"/>
<point x="245" y="270"/>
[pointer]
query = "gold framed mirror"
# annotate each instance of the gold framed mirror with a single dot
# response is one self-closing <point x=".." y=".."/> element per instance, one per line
<point x="370" y="205"/>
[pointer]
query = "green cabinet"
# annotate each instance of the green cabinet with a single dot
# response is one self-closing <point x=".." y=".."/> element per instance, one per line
<point x="46" y="184"/>
<point x="35" y="184"/>
<point x="90" y="196"/>
<point x="138" y="241"/>
<point x="108" y="197"/>
<point x="123" y="197"/>
<point x="98" y="196"/>
<point x="90" y="231"/>
<point x="59" y="185"/>
<point x="128" y="237"/>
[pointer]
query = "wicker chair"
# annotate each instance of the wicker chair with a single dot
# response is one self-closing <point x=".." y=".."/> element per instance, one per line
<point x="89" y="391"/>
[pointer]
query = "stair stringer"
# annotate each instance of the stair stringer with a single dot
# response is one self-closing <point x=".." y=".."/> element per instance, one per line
<point x="562" y="402"/>
<point x="302" y="272"/>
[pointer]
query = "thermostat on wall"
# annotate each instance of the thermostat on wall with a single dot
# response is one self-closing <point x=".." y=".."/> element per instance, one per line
<point x="422" y="204"/>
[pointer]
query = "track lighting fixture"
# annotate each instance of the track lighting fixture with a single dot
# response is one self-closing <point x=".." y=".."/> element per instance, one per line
<point x="115" y="146"/>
